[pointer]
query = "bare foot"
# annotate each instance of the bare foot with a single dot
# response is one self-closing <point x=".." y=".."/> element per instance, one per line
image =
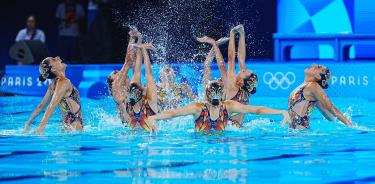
<point x="239" y="29"/>
<point x="149" y="46"/>
<point x="206" y="39"/>
<point x="134" y="32"/>
<point x="222" y="40"/>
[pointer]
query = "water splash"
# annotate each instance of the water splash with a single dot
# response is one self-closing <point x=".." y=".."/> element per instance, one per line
<point x="172" y="26"/>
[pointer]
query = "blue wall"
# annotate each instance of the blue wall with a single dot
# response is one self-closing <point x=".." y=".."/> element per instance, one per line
<point x="275" y="80"/>
<point x="326" y="16"/>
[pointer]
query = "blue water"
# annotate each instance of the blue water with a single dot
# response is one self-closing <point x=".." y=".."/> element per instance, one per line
<point x="262" y="152"/>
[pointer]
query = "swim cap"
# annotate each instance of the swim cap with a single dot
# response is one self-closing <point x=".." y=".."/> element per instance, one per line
<point x="325" y="75"/>
<point x="250" y="83"/>
<point x="45" y="70"/>
<point x="214" y="92"/>
<point x="135" y="93"/>
<point x="110" y="81"/>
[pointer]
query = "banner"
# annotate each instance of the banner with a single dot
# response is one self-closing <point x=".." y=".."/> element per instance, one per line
<point x="275" y="79"/>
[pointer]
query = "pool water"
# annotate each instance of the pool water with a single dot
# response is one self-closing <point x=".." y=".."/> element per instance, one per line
<point x="262" y="152"/>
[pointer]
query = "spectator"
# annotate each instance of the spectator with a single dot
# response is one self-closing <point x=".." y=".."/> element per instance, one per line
<point x="70" y="14"/>
<point x="31" y="32"/>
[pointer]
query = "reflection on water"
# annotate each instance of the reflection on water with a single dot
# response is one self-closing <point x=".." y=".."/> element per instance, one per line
<point x="264" y="152"/>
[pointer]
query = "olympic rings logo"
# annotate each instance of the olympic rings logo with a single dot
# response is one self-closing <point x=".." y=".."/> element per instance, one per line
<point x="279" y="80"/>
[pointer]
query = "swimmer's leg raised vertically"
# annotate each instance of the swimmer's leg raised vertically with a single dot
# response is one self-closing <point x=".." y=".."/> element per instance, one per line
<point x="151" y="86"/>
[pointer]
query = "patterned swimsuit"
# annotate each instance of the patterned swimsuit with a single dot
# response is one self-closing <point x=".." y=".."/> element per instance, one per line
<point x="205" y="123"/>
<point x="70" y="116"/>
<point x="138" y="118"/>
<point x="242" y="97"/>
<point x="295" y="98"/>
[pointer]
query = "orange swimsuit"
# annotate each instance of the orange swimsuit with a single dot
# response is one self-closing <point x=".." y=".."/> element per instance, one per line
<point x="140" y="117"/>
<point x="242" y="96"/>
<point x="69" y="116"/>
<point x="296" y="97"/>
<point x="205" y="123"/>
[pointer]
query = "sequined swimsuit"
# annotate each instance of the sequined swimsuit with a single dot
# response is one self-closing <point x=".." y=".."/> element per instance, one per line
<point x="71" y="116"/>
<point x="242" y="96"/>
<point x="205" y="123"/>
<point x="295" y="98"/>
<point x="138" y="118"/>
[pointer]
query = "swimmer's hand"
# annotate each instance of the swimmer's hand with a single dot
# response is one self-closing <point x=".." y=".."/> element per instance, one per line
<point x="151" y="123"/>
<point x="286" y="118"/>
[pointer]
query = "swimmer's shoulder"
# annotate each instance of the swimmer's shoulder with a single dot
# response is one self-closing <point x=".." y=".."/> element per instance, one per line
<point x="197" y="105"/>
<point x="313" y="87"/>
<point x="63" y="81"/>
<point x="229" y="102"/>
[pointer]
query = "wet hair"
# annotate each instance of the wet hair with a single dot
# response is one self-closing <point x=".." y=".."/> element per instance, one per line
<point x="325" y="75"/>
<point x="45" y="70"/>
<point x="250" y="83"/>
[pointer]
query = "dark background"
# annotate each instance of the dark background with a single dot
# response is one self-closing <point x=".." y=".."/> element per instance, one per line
<point x="170" y="25"/>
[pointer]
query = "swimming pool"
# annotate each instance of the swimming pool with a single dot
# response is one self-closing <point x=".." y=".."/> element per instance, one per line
<point x="263" y="152"/>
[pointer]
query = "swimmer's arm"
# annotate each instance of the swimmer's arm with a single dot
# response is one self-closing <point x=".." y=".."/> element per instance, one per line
<point x="61" y="88"/>
<point x="325" y="112"/>
<point x="323" y="99"/>
<point x="46" y="99"/>
<point x="189" y="109"/>
<point x="236" y="107"/>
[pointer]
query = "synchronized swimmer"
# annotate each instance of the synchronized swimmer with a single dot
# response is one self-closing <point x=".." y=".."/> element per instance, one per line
<point x="226" y="99"/>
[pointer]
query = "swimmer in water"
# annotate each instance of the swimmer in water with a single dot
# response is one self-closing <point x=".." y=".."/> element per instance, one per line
<point x="60" y="92"/>
<point x="214" y="113"/>
<point x="118" y="81"/>
<point x="237" y="87"/>
<point x="171" y="93"/>
<point x="141" y="101"/>
<point x="309" y="94"/>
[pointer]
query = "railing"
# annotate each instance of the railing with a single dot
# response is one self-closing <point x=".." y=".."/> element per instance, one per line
<point x="340" y="43"/>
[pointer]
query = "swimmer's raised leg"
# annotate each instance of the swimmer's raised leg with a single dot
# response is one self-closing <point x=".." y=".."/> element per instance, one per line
<point x="219" y="56"/>
<point x="241" y="55"/>
<point x="138" y="63"/>
<point x="232" y="53"/>
<point x="151" y="91"/>
<point x="135" y="35"/>
<point x="208" y="62"/>
<point x="207" y="67"/>
<point x="130" y="52"/>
